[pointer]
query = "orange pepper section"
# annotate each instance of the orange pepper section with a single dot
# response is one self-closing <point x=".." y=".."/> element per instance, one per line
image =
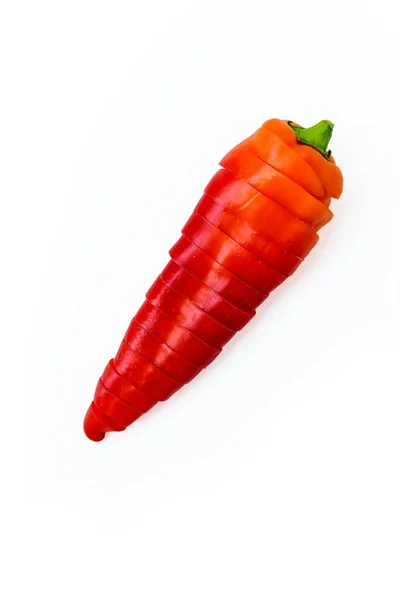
<point x="283" y="130"/>
<point x="326" y="169"/>
<point x="269" y="218"/>
<point x="330" y="175"/>
<point x="275" y="152"/>
<point x="278" y="187"/>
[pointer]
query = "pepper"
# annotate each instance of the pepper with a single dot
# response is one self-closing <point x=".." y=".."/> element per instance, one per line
<point x="255" y="223"/>
<point x="186" y="344"/>
<point x="143" y="375"/>
<point x="273" y="222"/>
<point x="231" y="255"/>
<point x="159" y="353"/>
<point x="203" y="296"/>
<point x="256" y="242"/>
<point x="272" y="183"/>
<point x="124" y="390"/>
<point x="190" y="316"/>
<point x="226" y="284"/>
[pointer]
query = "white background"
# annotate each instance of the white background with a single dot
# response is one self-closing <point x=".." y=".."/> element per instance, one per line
<point x="276" y="473"/>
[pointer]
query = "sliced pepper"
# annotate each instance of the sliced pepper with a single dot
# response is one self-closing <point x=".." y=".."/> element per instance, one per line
<point x="269" y="218"/>
<point x="282" y="130"/>
<point x="204" y="297"/>
<point x="189" y="315"/>
<point x="229" y="191"/>
<point x="239" y="230"/>
<point x="276" y="222"/>
<point x="330" y="175"/>
<point x="199" y="264"/>
<point x="96" y="424"/>
<point x="121" y="388"/>
<point x="272" y="150"/>
<point x="281" y="189"/>
<point x="251" y="229"/>
<point x="232" y="256"/>
<point x="177" y="337"/>
<point x="143" y="375"/>
<point x="114" y="408"/>
<point x="159" y="354"/>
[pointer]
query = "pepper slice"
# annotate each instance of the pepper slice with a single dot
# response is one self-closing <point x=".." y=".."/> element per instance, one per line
<point x="241" y="232"/>
<point x="177" y="337"/>
<point x="143" y="375"/>
<point x="159" y="354"/>
<point x="229" y="191"/>
<point x="232" y="256"/>
<point x="96" y="424"/>
<point x="202" y="266"/>
<point x="330" y="175"/>
<point x="262" y="213"/>
<point x="204" y="297"/>
<point x="283" y="130"/>
<point x="272" y="150"/>
<point x="121" y="388"/>
<point x="189" y="315"/>
<point x="281" y="189"/>
<point x="120" y="413"/>
<point x="268" y="217"/>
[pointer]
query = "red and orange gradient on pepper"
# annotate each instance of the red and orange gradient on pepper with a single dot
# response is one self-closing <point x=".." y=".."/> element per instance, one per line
<point x="255" y="223"/>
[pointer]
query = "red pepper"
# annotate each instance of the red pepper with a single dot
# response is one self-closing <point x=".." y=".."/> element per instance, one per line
<point x="241" y="232"/>
<point x="263" y="214"/>
<point x="117" y="411"/>
<point x="159" y="354"/>
<point x="231" y="255"/>
<point x="97" y="424"/>
<point x="123" y="389"/>
<point x="255" y="223"/>
<point x="143" y="375"/>
<point x="204" y="267"/>
<point x="186" y="344"/>
<point x="190" y="316"/>
<point x="204" y="297"/>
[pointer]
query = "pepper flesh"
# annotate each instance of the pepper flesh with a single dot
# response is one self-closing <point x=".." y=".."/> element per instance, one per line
<point x="204" y="297"/>
<point x="255" y="223"/>
<point x="196" y="262"/>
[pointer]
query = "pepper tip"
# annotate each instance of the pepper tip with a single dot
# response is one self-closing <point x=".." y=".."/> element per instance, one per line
<point x="92" y="427"/>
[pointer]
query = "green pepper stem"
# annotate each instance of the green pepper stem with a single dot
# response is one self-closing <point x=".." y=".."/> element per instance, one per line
<point x="318" y="136"/>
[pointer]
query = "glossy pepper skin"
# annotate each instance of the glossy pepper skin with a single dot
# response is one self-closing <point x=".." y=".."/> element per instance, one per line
<point x="252" y="228"/>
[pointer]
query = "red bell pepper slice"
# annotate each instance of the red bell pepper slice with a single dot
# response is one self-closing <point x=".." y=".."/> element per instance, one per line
<point x="232" y="256"/>
<point x="115" y="409"/>
<point x="189" y="315"/>
<point x="143" y="375"/>
<point x="204" y="297"/>
<point x="199" y="264"/>
<point x="241" y="232"/>
<point x="96" y="424"/>
<point x="121" y="388"/>
<point x="177" y="337"/>
<point x="159" y="354"/>
<point x="229" y="191"/>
